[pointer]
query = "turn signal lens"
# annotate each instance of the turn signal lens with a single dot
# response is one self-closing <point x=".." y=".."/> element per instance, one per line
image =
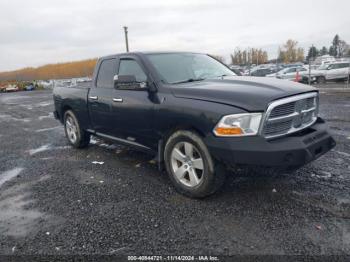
<point x="238" y="125"/>
<point x="228" y="131"/>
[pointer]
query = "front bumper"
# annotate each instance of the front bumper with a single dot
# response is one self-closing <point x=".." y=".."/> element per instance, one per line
<point x="294" y="150"/>
<point x="305" y="79"/>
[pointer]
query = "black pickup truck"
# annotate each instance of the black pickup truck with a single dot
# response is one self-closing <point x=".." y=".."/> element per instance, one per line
<point x="195" y="115"/>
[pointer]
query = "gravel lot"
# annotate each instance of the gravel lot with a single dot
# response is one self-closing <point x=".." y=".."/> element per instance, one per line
<point x="54" y="200"/>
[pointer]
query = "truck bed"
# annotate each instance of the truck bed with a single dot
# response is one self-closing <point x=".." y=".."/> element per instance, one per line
<point x="74" y="98"/>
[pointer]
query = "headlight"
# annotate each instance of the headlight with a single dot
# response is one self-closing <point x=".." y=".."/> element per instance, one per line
<point x="238" y="125"/>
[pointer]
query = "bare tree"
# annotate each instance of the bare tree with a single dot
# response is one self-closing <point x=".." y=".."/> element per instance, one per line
<point x="290" y="52"/>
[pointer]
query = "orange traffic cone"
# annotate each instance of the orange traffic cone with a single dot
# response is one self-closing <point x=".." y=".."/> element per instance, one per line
<point x="297" y="77"/>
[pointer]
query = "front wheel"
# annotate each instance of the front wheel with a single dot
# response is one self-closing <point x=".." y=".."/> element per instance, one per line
<point x="77" y="137"/>
<point x="190" y="166"/>
<point x="321" y="80"/>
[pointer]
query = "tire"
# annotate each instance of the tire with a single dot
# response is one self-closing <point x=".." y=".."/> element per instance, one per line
<point x="182" y="169"/>
<point x="81" y="138"/>
<point x="321" y="80"/>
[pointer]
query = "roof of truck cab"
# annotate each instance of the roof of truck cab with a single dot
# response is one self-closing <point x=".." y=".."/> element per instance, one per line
<point x="148" y="53"/>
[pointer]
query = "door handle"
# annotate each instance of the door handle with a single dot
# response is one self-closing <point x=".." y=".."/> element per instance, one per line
<point x="93" y="97"/>
<point x="119" y="99"/>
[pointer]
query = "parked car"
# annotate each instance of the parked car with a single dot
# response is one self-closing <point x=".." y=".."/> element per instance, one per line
<point x="290" y="73"/>
<point x="293" y="65"/>
<point x="11" y="88"/>
<point x="276" y="70"/>
<point x="277" y="73"/>
<point x="195" y="116"/>
<point x="29" y="87"/>
<point x="261" y="72"/>
<point x="338" y="71"/>
<point x="237" y="71"/>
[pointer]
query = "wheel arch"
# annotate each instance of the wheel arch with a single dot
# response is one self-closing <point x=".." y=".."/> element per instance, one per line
<point x="162" y="142"/>
<point x="64" y="109"/>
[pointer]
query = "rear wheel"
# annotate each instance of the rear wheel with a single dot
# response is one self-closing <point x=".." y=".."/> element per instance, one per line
<point x="190" y="166"/>
<point x="321" y="80"/>
<point x="77" y="137"/>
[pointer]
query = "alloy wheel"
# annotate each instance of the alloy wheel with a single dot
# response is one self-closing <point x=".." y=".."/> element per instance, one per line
<point x="187" y="164"/>
<point x="72" y="130"/>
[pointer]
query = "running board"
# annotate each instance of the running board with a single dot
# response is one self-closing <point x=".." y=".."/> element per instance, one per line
<point x="121" y="140"/>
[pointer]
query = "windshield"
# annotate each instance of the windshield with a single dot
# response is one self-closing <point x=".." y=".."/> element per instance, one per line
<point x="186" y="67"/>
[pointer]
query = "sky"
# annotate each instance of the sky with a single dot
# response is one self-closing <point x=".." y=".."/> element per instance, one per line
<point x="37" y="32"/>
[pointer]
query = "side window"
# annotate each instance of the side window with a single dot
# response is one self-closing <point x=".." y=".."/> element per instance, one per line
<point x="131" y="67"/>
<point x="106" y="73"/>
<point x="335" y="66"/>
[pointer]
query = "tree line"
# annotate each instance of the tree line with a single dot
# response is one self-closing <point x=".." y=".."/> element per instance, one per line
<point x="250" y="56"/>
<point x="52" y="71"/>
<point x="338" y="48"/>
<point x="290" y="52"/>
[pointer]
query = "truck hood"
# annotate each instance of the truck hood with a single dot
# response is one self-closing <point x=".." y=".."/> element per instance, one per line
<point x="249" y="93"/>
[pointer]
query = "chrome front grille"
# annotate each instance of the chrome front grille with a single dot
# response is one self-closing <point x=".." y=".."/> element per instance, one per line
<point x="290" y="115"/>
<point x="282" y="110"/>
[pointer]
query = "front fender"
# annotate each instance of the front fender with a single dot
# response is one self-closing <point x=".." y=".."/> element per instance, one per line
<point x="191" y="113"/>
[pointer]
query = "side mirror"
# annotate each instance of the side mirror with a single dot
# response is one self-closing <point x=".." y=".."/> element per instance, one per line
<point x="128" y="82"/>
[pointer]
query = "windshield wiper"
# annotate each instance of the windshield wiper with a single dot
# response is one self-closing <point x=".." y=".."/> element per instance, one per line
<point x="222" y="76"/>
<point x="189" y="80"/>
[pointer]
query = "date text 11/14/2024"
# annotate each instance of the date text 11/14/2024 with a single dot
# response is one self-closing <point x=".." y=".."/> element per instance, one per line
<point x="173" y="258"/>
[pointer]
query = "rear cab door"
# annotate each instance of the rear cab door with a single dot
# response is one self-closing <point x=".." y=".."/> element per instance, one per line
<point x="99" y="97"/>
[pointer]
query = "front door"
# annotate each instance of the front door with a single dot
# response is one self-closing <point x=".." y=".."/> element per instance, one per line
<point x="133" y="109"/>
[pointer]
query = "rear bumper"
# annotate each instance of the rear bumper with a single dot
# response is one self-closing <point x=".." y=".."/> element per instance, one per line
<point x="288" y="152"/>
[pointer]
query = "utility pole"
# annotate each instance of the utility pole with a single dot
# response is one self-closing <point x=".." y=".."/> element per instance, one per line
<point x="250" y="59"/>
<point x="348" y="74"/>
<point x="126" y="38"/>
<point x="312" y="54"/>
